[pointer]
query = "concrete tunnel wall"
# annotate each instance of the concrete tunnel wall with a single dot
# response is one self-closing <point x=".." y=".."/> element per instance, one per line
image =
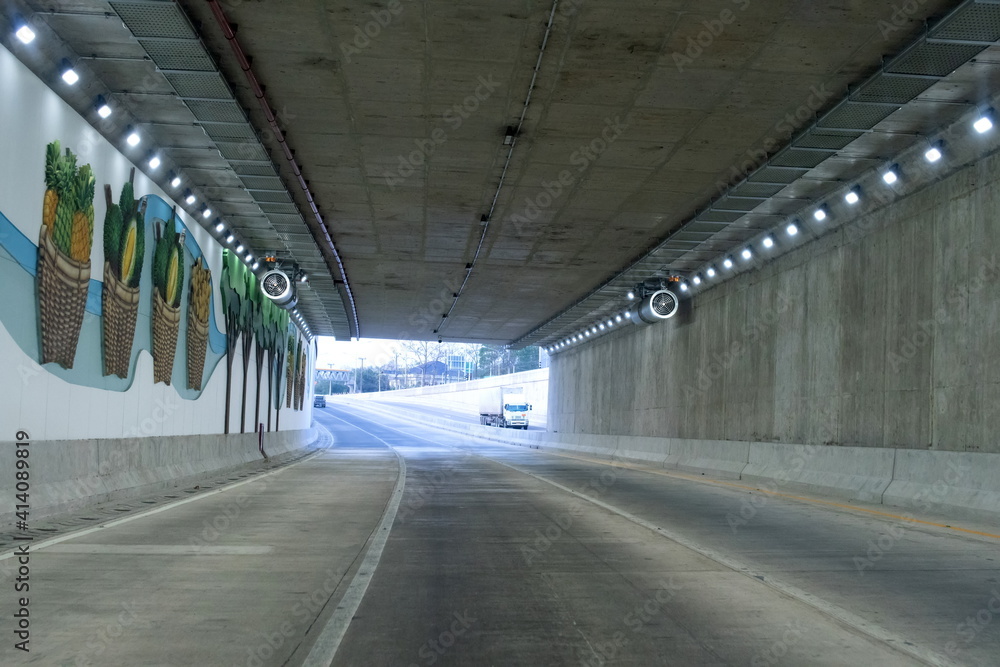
<point x="863" y="365"/>
<point x="884" y="333"/>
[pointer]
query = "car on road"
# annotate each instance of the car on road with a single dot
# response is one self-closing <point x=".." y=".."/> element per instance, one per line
<point x="319" y="401"/>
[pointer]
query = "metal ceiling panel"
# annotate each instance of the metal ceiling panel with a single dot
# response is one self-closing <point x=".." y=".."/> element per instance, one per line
<point x="262" y="183"/>
<point x="701" y="226"/>
<point x="934" y="59"/>
<point x="857" y="116"/>
<point x="979" y="22"/>
<point x="720" y="216"/>
<point x="199" y="84"/>
<point x="771" y="174"/>
<point x="799" y="157"/>
<point x="227" y="111"/>
<point x="749" y="189"/>
<point x="270" y="196"/>
<point x="178" y="54"/>
<point x="238" y="132"/>
<point x="246" y="150"/>
<point x="252" y="168"/>
<point x="827" y="139"/>
<point x="154" y="19"/>
<point x="731" y="203"/>
<point x="285" y="209"/>
<point x="285" y="219"/>
<point x="892" y="88"/>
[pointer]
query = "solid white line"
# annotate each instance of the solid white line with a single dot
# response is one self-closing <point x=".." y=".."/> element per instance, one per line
<point x="325" y="648"/>
<point x="849" y="619"/>
<point x="36" y="546"/>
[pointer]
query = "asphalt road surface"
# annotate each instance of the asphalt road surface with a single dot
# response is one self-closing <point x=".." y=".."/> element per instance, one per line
<point x="404" y="545"/>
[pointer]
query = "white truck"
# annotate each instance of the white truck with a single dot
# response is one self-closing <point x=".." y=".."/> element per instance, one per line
<point x="505" y="407"/>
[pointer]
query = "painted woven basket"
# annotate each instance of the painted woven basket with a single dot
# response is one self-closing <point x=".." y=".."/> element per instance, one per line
<point x="197" y="345"/>
<point x="62" y="298"/>
<point x="166" y="321"/>
<point x="120" y="306"/>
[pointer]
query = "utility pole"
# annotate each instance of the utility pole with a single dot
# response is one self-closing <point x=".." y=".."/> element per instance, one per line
<point x="362" y="374"/>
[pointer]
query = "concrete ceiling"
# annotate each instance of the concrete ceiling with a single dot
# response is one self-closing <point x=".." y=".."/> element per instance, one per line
<point x="644" y="126"/>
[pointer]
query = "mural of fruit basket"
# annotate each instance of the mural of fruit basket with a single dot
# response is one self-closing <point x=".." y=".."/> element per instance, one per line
<point x="197" y="328"/>
<point x="168" y="284"/>
<point x="124" y="250"/>
<point x="64" y="245"/>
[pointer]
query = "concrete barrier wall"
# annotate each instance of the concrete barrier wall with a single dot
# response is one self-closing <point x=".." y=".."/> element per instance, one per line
<point x="71" y="474"/>
<point x="955" y="483"/>
<point x="929" y="481"/>
<point x="857" y="473"/>
<point x="464" y="396"/>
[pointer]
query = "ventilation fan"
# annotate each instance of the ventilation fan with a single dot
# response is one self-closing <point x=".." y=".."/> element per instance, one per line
<point x="655" y="307"/>
<point x="279" y="288"/>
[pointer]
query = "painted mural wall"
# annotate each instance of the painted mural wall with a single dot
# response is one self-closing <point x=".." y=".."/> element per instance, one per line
<point x="121" y="316"/>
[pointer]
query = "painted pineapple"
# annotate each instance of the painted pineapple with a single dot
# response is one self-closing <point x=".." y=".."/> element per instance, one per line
<point x="53" y="161"/>
<point x="62" y="231"/>
<point x="83" y="218"/>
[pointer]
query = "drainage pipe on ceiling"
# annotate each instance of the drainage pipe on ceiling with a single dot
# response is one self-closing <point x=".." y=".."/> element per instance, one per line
<point x="503" y="174"/>
<point x="318" y="229"/>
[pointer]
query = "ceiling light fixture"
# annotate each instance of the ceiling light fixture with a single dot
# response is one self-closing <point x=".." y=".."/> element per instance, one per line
<point x="102" y="107"/>
<point x="747" y="253"/>
<point x="69" y="74"/>
<point x="819" y="214"/>
<point x="710" y="272"/>
<point x="133" y="138"/>
<point x="154" y="162"/>
<point x="985" y="122"/>
<point x="891" y="175"/>
<point x="791" y="229"/>
<point x="25" y="34"/>
<point x="933" y="154"/>
<point x="853" y="196"/>
<point x="727" y="262"/>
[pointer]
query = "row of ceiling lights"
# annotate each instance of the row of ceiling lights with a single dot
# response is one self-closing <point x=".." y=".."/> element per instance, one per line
<point x="890" y="175"/>
<point x="71" y="77"/>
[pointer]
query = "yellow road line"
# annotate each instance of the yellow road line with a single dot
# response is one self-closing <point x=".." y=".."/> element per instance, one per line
<point x="705" y="480"/>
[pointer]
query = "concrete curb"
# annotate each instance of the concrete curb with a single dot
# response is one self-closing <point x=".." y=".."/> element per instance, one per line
<point x="964" y="482"/>
<point x="70" y="474"/>
<point x="854" y="473"/>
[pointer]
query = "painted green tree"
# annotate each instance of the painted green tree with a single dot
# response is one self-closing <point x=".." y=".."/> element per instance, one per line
<point x="236" y="304"/>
